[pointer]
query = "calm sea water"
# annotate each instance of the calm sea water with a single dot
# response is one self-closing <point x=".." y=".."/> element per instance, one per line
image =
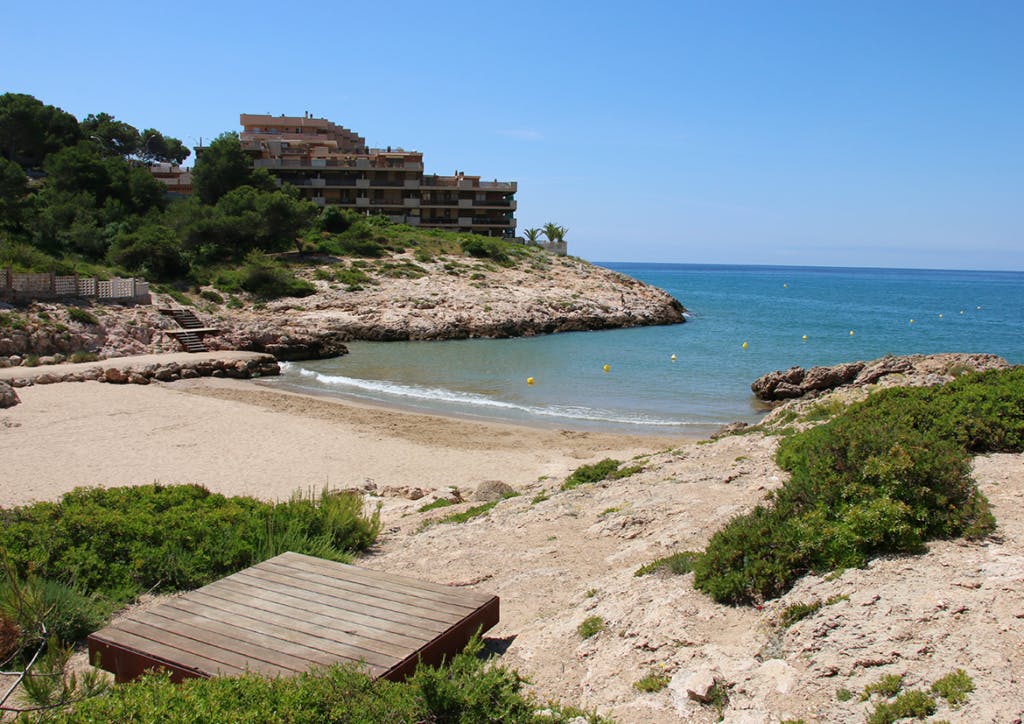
<point x="846" y="314"/>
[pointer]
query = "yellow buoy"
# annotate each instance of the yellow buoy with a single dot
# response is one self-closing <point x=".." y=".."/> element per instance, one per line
<point x="607" y="368"/>
<point x="940" y="316"/>
<point x="673" y="358"/>
<point x="961" y="311"/>
<point x="978" y="307"/>
<point x="529" y="380"/>
<point x="744" y="345"/>
<point x="911" y="321"/>
<point x="851" y="332"/>
<point x="785" y="286"/>
<point x="804" y="338"/>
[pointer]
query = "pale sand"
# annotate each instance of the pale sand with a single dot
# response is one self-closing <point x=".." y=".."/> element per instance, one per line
<point x="238" y="438"/>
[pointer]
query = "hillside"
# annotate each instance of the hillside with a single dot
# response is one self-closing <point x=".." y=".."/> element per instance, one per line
<point x="395" y="296"/>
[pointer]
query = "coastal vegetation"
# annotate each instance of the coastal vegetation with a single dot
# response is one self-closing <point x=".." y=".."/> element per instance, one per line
<point x="884" y="476"/>
<point x="607" y="469"/>
<point x="467" y="689"/>
<point x="77" y="197"/>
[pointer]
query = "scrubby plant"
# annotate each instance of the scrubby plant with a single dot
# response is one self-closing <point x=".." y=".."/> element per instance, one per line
<point x="844" y="694"/>
<point x="211" y="296"/>
<point x="607" y="469"/>
<point x="265" y="278"/>
<point x="77" y="314"/>
<point x="433" y="505"/>
<point x="678" y="563"/>
<point x="912" y="704"/>
<point x="83" y="356"/>
<point x="653" y="682"/>
<point x="888" y="686"/>
<point x="883" y="476"/>
<point x="797" y="612"/>
<point x="115" y="543"/>
<point x="466" y="689"/>
<point x="954" y="688"/>
<point x="591" y="626"/>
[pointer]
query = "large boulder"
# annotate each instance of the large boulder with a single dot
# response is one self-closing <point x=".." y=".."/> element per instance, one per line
<point x="8" y="397"/>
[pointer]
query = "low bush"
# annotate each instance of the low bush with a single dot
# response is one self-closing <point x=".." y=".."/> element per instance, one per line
<point x="115" y="543"/>
<point x="83" y="356"/>
<point x="653" y="682"/>
<point x="678" y="564"/>
<point x="913" y="704"/>
<point x="602" y="470"/>
<point x="484" y="247"/>
<point x="264" y="278"/>
<point x="82" y="316"/>
<point x="798" y="612"/>
<point x="211" y="296"/>
<point x="883" y="476"/>
<point x="591" y="626"/>
<point x="954" y="688"/>
<point x="468" y="689"/>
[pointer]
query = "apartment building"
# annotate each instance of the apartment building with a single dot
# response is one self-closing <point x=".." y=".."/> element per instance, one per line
<point x="332" y="165"/>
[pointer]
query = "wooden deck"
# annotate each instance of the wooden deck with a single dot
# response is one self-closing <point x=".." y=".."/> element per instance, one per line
<point x="292" y="613"/>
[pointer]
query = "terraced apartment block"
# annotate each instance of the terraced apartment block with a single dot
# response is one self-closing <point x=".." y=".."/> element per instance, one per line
<point x="332" y="165"/>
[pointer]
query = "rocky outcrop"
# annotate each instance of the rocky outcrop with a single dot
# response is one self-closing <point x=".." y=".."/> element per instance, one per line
<point x="404" y="299"/>
<point x="142" y="372"/>
<point x="8" y="397"/>
<point x="933" y="369"/>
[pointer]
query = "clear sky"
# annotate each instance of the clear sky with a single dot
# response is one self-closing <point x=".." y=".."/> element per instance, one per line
<point x="862" y="133"/>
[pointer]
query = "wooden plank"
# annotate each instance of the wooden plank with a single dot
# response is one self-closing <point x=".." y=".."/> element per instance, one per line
<point x="122" y="638"/>
<point x="395" y="601"/>
<point x="308" y="634"/>
<point x="380" y="578"/>
<point x="200" y="648"/>
<point x="272" y="603"/>
<point x="276" y="652"/>
<point x="294" y="612"/>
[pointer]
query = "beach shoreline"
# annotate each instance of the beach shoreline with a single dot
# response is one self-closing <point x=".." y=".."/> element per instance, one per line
<point x="238" y="437"/>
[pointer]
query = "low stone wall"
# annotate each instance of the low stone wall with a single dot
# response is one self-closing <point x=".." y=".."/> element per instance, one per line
<point x="254" y="365"/>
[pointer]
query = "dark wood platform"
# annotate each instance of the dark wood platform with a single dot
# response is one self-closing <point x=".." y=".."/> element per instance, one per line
<point x="294" y="612"/>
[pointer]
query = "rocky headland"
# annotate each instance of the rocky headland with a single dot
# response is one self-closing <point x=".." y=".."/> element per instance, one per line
<point x="399" y="298"/>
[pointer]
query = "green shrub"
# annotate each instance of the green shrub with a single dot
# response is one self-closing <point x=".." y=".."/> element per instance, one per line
<point x="591" y="626"/>
<point x="883" y="476"/>
<point x="888" y="686"/>
<point x="264" y="278"/>
<point x="211" y="296"/>
<point x="115" y="543"/>
<point x="31" y="360"/>
<point x="467" y="689"/>
<point x="798" y="612"/>
<point x="595" y="473"/>
<point x="910" y="705"/>
<point x="77" y="314"/>
<point x="82" y="356"/>
<point x="653" y="682"/>
<point x="844" y="694"/>
<point x="677" y="563"/>
<point x="484" y="247"/>
<point x="434" y="505"/>
<point x="12" y="320"/>
<point x="954" y="688"/>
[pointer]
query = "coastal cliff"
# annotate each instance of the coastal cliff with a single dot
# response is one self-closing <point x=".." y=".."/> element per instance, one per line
<point x="396" y="298"/>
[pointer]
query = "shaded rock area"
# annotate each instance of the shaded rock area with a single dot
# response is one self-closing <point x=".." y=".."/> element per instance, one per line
<point x="913" y="370"/>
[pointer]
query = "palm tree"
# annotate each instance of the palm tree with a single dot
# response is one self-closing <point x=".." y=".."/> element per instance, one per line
<point x="554" y="232"/>
<point x="532" y="235"/>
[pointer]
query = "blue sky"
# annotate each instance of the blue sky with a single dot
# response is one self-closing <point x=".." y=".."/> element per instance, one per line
<point x="825" y="133"/>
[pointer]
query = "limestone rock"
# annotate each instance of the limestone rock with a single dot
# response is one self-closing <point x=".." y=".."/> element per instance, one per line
<point x="8" y="397"/>
<point x="490" y="490"/>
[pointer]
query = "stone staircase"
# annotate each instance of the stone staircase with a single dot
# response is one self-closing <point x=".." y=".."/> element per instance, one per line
<point x="190" y="336"/>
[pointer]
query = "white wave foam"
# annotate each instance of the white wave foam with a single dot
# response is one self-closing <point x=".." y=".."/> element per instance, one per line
<point x="383" y="389"/>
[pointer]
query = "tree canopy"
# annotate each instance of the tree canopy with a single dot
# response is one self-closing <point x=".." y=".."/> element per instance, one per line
<point x="31" y="130"/>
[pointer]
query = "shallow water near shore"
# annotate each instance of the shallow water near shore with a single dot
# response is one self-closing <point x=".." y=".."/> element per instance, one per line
<point x="708" y="384"/>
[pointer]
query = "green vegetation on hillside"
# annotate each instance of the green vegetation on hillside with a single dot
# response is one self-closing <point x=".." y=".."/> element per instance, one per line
<point x="77" y="197"/>
<point x="884" y="476"/>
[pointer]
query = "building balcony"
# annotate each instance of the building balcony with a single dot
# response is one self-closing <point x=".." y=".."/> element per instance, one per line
<point x="362" y="201"/>
<point x="412" y="183"/>
<point x="362" y="183"/>
<point x="465" y="203"/>
<point x="318" y="182"/>
<point x="413" y="202"/>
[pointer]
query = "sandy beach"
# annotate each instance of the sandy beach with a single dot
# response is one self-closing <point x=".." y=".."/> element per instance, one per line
<point x="239" y="438"/>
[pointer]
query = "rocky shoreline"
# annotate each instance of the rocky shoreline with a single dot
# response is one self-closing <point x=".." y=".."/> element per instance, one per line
<point x="404" y="300"/>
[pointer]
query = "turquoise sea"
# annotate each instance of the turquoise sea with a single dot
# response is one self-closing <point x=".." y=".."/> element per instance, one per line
<point x="846" y="314"/>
